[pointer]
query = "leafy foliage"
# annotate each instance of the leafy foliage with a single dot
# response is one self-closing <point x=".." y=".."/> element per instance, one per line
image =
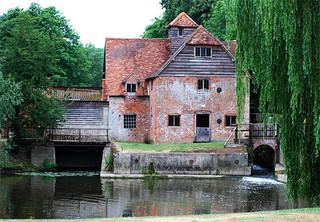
<point x="194" y="8"/>
<point x="10" y="96"/>
<point x="72" y="66"/>
<point x="279" y="43"/>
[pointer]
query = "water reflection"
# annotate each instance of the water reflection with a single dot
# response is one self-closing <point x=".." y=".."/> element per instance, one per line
<point x="80" y="196"/>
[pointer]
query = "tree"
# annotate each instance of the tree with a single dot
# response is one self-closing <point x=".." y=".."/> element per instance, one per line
<point x="279" y="42"/>
<point x="29" y="59"/>
<point x="194" y="8"/>
<point x="10" y="96"/>
<point x="72" y="67"/>
<point x="95" y="57"/>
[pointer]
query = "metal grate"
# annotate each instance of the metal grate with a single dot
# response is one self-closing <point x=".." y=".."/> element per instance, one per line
<point x="130" y="121"/>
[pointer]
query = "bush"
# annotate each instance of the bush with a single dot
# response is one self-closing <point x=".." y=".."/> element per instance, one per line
<point x="4" y="154"/>
<point x="48" y="166"/>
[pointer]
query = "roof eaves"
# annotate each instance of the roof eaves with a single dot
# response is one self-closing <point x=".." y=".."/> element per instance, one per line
<point x="228" y="52"/>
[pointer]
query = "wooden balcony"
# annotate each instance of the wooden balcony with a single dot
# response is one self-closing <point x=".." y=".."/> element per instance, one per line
<point x="79" y="93"/>
<point x="79" y="135"/>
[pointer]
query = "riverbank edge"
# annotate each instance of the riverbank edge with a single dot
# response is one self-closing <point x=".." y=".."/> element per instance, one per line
<point x="302" y="214"/>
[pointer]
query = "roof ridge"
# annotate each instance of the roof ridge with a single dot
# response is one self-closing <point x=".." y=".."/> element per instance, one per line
<point x="204" y="29"/>
<point x="179" y="17"/>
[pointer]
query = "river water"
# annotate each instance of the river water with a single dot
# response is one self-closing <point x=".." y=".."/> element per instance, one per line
<point x="86" y="195"/>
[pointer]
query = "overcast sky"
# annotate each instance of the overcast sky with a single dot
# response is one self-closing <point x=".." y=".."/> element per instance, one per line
<point x="95" y="20"/>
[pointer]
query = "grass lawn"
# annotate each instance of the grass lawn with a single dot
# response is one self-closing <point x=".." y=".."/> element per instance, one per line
<point x="178" y="147"/>
<point x="306" y="214"/>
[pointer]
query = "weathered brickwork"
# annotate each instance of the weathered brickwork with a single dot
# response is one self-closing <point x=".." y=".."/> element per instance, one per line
<point x="118" y="107"/>
<point x="180" y="96"/>
<point x="139" y="57"/>
<point x="167" y="73"/>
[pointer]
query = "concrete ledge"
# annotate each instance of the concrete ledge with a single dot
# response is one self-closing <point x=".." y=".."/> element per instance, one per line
<point x="170" y="176"/>
<point x="193" y="164"/>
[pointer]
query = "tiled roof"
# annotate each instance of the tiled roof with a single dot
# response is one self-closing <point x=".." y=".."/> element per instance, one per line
<point x="183" y="20"/>
<point x="139" y="57"/>
<point x="202" y="36"/>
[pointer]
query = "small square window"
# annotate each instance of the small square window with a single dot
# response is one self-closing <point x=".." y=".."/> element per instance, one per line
<point x="203" y="84"/>
<point x="130" y="121"/>
<point x="174" y="120"/>
<point x="231" y="120"/>
<point x="131" y="87"/>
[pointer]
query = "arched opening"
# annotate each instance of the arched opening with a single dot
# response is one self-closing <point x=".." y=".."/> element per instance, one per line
<point x="263" y="160"/>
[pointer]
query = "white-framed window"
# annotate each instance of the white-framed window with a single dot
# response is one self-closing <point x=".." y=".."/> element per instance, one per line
<point x="131" y="87"/>
<point x="173" y="120"/>
<point x="203" y="51"/>
<point x="130" y="121"/>
<point x="203" y="84"/>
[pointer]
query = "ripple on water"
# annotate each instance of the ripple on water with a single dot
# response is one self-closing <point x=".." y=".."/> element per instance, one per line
<point x="257" y="180"/>
<point x="61" y="174"/>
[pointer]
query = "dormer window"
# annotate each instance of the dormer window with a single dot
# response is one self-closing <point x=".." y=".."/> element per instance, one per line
<point x="180" y="31"/>
<point x="203" y="51"/>
<point x="131" y="84"/>
<point x="131" y="87"/>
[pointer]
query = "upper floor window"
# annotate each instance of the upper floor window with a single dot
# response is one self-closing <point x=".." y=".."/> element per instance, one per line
<point x="203" y="51"/>
<point x="203" y="84"/>
<point x="180" y="31"/>
<point x="174" y="120"/>
<point x="131" y="87"/>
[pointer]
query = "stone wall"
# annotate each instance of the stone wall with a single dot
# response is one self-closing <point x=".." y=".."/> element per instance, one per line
<point x="40" y="153"/>
<point x="182" y="163"/>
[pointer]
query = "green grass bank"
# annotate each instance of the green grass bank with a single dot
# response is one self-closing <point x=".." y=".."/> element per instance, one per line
<point x="304" y="214"/>
<point x="177" y="147"/>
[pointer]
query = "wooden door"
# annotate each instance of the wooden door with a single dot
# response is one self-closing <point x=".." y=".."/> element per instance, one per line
<point x="203" y="128"/>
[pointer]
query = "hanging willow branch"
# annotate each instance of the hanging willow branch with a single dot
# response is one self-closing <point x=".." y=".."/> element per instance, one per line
<point x="279" y="41"/>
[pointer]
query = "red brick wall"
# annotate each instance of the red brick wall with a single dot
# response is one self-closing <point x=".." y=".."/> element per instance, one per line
<point x="179" y="95"/>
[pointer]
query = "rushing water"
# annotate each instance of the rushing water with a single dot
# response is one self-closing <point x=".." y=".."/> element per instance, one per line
<point x="86" y="195"/>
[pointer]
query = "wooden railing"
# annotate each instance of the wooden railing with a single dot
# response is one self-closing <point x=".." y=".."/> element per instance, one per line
<point x="75" y="94"/>
<point x="79" y="135"/>
<point x="253" y="131"/>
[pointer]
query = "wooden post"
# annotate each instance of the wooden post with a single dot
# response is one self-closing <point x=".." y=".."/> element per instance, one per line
<point x="79" y="135"/>
<point x="250" y="135"/>
<point x="236" y="135"/>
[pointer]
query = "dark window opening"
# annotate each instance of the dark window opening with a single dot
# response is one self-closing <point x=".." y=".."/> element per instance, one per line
<point x="180" y="31"/>
<point x="202" y="120"/>
<point x="130" y="121"/>
<point x="203" y="83"/>
<point x="231" y="120"/>
<point x="174" y="120"/>
<point x="131" y="87"/>
<point x="203" y="51"/>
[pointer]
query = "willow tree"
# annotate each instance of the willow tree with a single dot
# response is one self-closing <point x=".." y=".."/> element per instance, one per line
<point x="279" y="44"/>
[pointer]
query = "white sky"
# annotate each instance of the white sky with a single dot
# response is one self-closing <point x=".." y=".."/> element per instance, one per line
<point x="95" y="20"/>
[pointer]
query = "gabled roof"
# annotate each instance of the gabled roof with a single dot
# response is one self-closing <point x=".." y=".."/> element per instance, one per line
<point x="202" y="36"/>
<point x="130" y="78"/>
<point x="183" y="20"/>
